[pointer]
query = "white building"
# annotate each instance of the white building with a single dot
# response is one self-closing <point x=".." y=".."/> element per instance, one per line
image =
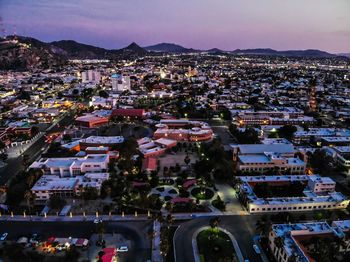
<point x="49" y="185"/>
<point x="109" y="102"/>
<point x="262" y="158"/>
<point x="120" y="83"/>
<point x="294" y="238"/>
<point x="341" y="155"/>
<point x="318" y="194"/>
<point x="91" y="76"/>
<point x="73" y="166"/>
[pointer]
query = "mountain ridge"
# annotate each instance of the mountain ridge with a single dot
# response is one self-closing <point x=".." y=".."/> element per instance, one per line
<point x="28" y="52"/>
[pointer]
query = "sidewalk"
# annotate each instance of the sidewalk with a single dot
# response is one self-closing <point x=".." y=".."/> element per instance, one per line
<point x="156" y="255"/>
<point x="73" y="218"/>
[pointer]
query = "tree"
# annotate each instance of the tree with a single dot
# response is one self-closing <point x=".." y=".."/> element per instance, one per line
<point x="187" y="160"/>
<point x="75" y="92"/>
<point x="287" y="131"/>
<point x="90" y="193"/>
<point x="279" y="242"/>
<point x="72" y="254"/>
<point x="67" y="137"/>
<point x="321" y="162"/>
<point x="34" y="130"/>
<point x="29" y="197"/>
<point x="248" y="136"/>
<point x="218" y="203"/>
<point x="100" y="230"/>
<point x="56" y="202"/>
<point x="263" y="226"/>
<point x="103" y="94"/>
<point x="214" y="222"/>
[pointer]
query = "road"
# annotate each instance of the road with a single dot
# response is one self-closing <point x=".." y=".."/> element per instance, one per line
<point x="241" y="227"/>
<point x="136" y="232"/>
<point x="14" y="165"/>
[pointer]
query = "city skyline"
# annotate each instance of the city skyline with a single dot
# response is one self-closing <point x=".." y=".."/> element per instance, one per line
<point x="223" y="24"/>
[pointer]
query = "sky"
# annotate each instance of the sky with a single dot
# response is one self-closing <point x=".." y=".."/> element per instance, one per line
<point x="200" y="24"/>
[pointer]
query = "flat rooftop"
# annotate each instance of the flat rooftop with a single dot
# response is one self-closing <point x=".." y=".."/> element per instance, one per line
<point x="103" y="140"/>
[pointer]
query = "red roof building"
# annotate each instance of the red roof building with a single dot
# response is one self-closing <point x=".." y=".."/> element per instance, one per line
<point x="149" y="164"/>
<point x="137" y="113"/>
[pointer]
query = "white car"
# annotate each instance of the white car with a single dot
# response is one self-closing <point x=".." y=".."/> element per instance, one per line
<point x="3" y="236"/>
<point x="256" y="248"/>
<point x="98" y="220"/>
<point x="122" y="249"/>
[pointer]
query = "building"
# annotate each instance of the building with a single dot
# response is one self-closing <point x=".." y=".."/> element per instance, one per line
<point x="307" y="193"/>
<point x="73" y="166"/>
<point x="90" y="76"/>
<point x="335" y="141"/>
<point x="293" y="117"/>
<point x="120" y="83"/>
<point x="315" y="135"/>
<point x="97" y="101"/>
<point x="49" y="185"/>
<point x="91" y="121"/>
<point x="153" y="148"/>
<point x="100" y="141"/>
<point x="296" y="239"/>
<point x="341" y="155"/>
<point x="129" y="112"/>
<point x="264" y="158"/>
<point x="183" y="130"/>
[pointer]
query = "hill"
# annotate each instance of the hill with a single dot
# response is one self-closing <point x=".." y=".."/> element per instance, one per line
<point x="132" y="49"/>
<point x="73" y="49"/>
<point x="168" y="48"/>
<point x="26" y="53"/>
<point x="290" y="53"/>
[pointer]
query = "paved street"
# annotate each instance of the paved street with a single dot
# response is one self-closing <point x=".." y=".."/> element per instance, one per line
<point x="241" y="227"/>
<point x="14" y="165"/>
<point x="136" y="232"/>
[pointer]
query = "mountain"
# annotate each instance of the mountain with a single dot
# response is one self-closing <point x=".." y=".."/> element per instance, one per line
<point x="169" y="48"/>
<point x="26" y="53"/>
<point x="73" y="49"/>
<point x="18" y="52"/>
<point x="344" y="54"/>
<point x="290" y="53"/>
<point x="132" y="49"/>
<point x="216" y="51"/>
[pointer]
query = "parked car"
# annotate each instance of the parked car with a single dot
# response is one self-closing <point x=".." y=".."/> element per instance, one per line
<point x="256" y="248"/>
<point x="98" y="220"/>
<point x="122" y="249"/>
<point x="3" y="236"/>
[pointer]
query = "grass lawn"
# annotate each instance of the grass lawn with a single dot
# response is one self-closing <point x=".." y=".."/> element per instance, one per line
<point x="204" y="194"/>
<point x="215" y="246"/>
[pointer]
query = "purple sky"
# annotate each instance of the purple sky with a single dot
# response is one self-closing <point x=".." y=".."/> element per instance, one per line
<point x="202" y="24"/>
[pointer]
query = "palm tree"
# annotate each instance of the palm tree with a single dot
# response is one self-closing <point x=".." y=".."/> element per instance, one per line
<point x="101" y="230"/>
<point x="29" y="197"/>
<point x="169" y="219"/>
<point x="279" y="242"/>
<point x="263" y="225"/>
<point x="214" y="223"/>
<point x="293" y="258"/>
